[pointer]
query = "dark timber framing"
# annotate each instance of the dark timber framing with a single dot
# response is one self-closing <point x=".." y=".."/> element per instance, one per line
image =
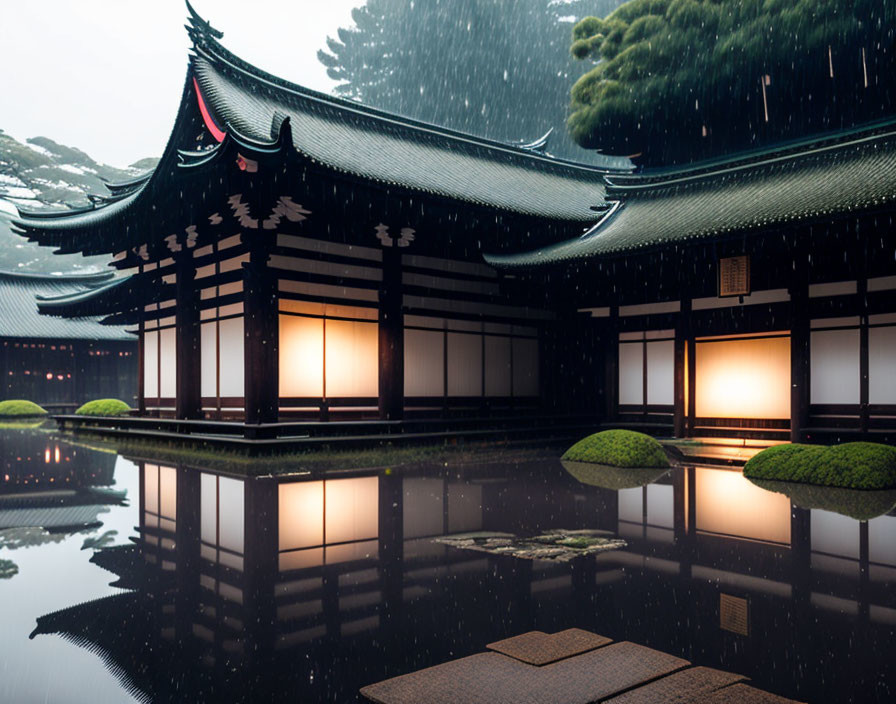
<point x="283" y="201"/>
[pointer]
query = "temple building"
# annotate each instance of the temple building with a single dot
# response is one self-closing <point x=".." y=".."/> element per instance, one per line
<point x="300" y="256"/>
<point x="60" y="363"/>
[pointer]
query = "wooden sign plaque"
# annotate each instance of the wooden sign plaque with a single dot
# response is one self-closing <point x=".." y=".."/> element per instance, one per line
<point x="734" y="276"/>
<point x="734" y="614"/>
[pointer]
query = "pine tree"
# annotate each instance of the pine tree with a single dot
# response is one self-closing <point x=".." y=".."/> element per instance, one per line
<point x="495" y="68"/>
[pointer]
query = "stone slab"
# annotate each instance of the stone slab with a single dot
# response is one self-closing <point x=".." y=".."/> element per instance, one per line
<point x="538" y="648"/>
<point x="744" y="694"/>
<point x="683" y="687"/>
<point x="492" y="678"/>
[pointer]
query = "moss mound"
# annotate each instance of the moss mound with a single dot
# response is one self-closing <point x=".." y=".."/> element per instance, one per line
<point x="104" y="407"/>
<point x="20" y="409"/>
<point x="606" y="477"/>
<point x="619" y="448"/>
<point x="852" y="465"/>
<point x="855" y="503"/>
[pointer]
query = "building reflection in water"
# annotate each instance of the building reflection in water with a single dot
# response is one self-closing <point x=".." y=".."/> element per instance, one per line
<point x="47" y="484"/>
<point x="266" y="588"/>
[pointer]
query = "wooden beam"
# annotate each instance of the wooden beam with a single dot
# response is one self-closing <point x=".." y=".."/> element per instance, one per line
<point x="391" y="338"/>
<point x="261" y="338"/>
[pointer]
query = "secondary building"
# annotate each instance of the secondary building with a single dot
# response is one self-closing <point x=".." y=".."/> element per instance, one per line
<point x="60" y="363"/>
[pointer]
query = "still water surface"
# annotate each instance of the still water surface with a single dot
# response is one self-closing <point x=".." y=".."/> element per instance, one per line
<point x="126" y="579"/>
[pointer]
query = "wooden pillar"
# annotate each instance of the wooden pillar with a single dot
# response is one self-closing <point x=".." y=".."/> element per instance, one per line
<point x="260" y="560"/>
<point x="611" y="370"/>
<point x="188" y="502"/>
<point x="391" y="339"/>
<point x="391" y="547"/>
<point x="801" y="554"/>
<point x="188" y="403"/>
<point x="261" y="338"/>
<point x="799" y="348"/>
<point x="682" y="335"/>
<point x="864" y="571"/>
<point x="863" y="353"/>
<point x="4" y="369"/>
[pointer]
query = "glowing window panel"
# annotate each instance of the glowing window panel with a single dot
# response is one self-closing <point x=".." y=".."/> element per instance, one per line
<point x="301" y="357"/>
<point x="233" y="367"/>
<point x="882" y="365"/>
<point x="498" y="379"/>
<point x="631" y="374"/>
<point x="301" y="515"/>
<point x="167" y="363"/>
<point x="464" y="364"/>
<point x="729" y="504"/>
<point x="424" y="363"/>
<point x="352" y="358"/>
<point x="151" y="364"/>
<point x="834" y="364"/>
<point x="744" y="378"/>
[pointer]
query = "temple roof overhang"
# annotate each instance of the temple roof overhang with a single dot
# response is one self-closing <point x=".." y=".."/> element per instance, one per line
<point x="118" y="301"/>
<point x="231" y="108"/>
<point x="816" y="181"/>
<point x="23" y="295"/>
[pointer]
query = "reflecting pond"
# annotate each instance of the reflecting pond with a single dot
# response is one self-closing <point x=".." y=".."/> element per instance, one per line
<point x="127" y="578"/>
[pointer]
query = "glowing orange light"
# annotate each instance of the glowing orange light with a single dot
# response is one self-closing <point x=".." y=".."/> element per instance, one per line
<point x="730" y="504"/>
<point x="49" y="376"/>
<point x="47" y="456"/>
<point x="57" y="455"/>
<point x="744" y="378"/>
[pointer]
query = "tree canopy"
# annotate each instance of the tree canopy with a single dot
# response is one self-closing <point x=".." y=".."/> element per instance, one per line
<point x="495" y="68"/>
<point x="678" y="80"/>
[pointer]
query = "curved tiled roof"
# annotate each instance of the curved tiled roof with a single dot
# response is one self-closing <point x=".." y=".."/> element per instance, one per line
<point x="19" y="316"/>
<point x="826" y="180"/>
<point x="342" y="135"/>
<point x="391" y="149"/>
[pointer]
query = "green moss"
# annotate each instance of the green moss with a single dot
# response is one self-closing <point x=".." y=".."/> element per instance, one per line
<point x="619" y="448"/>
<point x="25" y="424"/>
<point x="615" y="478"/>
<point x="104" y="407"/>
<point x="20" y="409"/>
<point x="853" y="465"/>
<point x="286" y="461"/>
<point x="855" y="503"/>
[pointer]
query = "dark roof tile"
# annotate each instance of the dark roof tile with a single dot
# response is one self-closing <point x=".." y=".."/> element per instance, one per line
<point x="19" y="316"/>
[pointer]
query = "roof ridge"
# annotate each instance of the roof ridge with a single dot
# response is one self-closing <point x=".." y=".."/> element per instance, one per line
<point x="66" y="277"/>
<point x="823" y="146"/>
<point x="208" y="47"/>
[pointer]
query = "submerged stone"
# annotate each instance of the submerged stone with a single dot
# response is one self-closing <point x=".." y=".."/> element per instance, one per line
<point x="557" y="545"/>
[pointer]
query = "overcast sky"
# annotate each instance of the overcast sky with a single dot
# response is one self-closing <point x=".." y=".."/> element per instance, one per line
<point x="105" y="76"/>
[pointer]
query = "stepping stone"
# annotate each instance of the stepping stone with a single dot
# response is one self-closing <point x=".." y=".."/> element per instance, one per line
<point x="691" y="685"/>
<point x="744" y="694"/>
<point x="491" y="678"/>
<point x="537" y="648"/>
